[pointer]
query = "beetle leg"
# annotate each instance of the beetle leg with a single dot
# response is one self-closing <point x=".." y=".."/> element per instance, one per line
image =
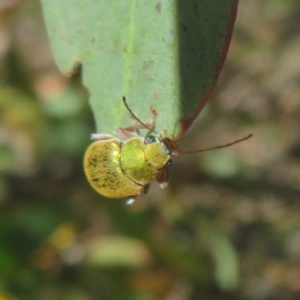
<point x="130" y="200"/>
<point x="125" y="134"/>
<point x="136" y="118"/>
<point x="101" y="136"/>
<point x="136" y="126"/>
<point x="149" y="125"/>
<point x="132" y="131"/>
<point x="163" y="178"/>
<point x="146" y="188"/>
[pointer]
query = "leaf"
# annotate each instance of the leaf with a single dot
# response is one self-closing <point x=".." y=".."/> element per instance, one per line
<point x="161" y="54"/>
<point x="222" y="164"/>
<point x="223" y="254"/>
<point x="117" y="251"/>
<point x="226" y="262"/>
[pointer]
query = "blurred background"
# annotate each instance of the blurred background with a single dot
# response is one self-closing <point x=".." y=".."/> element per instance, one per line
<point x="228" y="226"/>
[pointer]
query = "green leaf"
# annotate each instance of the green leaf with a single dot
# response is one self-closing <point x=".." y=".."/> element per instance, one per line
<point x="222" y="164"/>
<point x="161" y="54"/>
<point x="226" y="262"/>
<point x="117" y="251"/>
<point x="223" y="254"/>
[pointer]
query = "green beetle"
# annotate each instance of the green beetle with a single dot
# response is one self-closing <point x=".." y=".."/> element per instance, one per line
<point x="124" y="167"/>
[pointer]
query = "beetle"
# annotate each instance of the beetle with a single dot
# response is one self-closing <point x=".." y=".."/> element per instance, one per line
<point x="125" y="166"/>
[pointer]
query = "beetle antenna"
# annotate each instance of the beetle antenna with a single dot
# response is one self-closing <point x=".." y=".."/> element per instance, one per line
<point x="217" y="147"/>
<point x="134" y="116"/>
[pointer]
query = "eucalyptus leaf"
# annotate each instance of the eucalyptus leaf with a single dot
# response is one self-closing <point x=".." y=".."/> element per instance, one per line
<point x="161" y="54"/>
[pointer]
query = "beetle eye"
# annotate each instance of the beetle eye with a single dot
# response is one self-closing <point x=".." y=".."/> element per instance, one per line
<point x="150" y="139"/>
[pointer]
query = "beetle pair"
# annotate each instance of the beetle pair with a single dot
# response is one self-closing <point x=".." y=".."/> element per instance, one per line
<point x="124" y="167"/>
